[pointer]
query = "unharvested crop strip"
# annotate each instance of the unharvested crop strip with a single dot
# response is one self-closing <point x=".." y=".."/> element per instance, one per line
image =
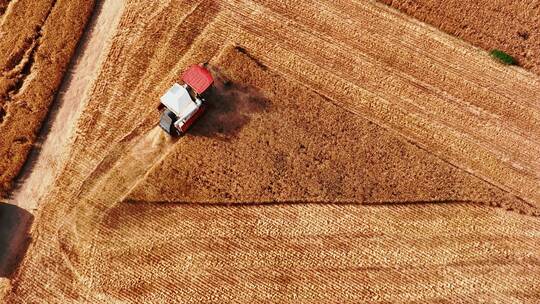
<point x="26" y="64"/>
<point x="30" y="59"/>
<point x="34" y="79"/>
<point x="29" y="47"/>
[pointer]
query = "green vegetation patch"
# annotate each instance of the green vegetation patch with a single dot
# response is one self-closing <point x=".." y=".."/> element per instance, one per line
<point x="503" y="57"/>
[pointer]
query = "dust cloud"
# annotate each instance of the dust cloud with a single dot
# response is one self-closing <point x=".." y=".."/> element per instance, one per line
<point x="230" y="107"/>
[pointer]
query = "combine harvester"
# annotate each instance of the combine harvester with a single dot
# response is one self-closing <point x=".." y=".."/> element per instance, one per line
<point x="181" y="105"/>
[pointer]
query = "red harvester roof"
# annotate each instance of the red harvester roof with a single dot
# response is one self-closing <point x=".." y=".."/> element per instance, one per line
<point x="198" y="78"/>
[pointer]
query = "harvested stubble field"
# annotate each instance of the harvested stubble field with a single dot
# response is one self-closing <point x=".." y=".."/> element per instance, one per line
<point x="350" y="154"/>
<point x="37" y="40"/>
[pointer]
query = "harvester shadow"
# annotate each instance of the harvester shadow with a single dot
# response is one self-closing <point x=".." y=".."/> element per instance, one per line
<point x="231" y="106"/>
<point x="14" y="238"/>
